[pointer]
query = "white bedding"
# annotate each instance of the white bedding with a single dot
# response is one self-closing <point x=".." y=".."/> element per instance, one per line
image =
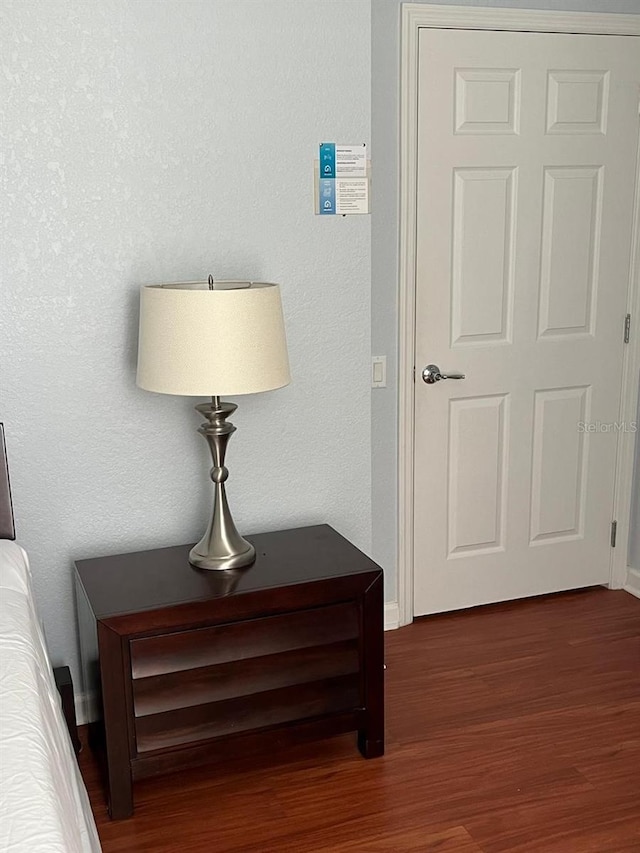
<point x="44" y="807"/>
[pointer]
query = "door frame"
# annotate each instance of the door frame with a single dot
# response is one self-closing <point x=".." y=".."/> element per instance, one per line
<point x="415" y="16"/>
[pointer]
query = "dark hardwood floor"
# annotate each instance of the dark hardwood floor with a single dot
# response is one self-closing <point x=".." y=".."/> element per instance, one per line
<point x="512" y="728"/>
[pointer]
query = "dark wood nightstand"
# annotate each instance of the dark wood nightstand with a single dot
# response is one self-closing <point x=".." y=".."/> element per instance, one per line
<point x="193" y="664"/>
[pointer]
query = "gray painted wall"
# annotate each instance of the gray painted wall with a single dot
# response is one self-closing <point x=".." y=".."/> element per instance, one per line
<point x="385" y="60"/>
<point x="634" y="539"/>
<point x="163" y="141"/>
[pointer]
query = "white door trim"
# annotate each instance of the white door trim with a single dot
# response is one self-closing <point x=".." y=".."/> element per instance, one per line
<point x="415" y="16"/>
<point x="621" y="574"/>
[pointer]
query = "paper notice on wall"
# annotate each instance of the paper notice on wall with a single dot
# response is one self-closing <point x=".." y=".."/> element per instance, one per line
<point x="352" y="195"/>
<point x="351" y="161"/>
<point x="342" y="185"/>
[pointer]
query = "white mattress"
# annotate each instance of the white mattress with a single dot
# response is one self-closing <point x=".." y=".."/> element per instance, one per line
<point x="44" y="807"/>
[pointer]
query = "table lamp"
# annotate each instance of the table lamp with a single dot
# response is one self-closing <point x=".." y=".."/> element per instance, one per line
<point x="200" y="338"/>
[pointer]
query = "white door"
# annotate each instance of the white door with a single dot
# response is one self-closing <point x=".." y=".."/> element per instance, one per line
<point x="527" y="147"/>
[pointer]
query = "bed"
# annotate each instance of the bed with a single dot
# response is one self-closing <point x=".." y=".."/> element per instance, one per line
<point x="44" y="807"/>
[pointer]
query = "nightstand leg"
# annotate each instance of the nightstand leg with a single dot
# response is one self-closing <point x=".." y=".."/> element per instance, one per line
<point x="370" y="747"/>
<point x="114" y="662"/>
<point x="371" y="736"/>
<point x="120" y="794"/>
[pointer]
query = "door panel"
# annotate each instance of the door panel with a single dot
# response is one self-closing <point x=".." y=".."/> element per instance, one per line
<point x="477" y="481"/>
<point x="482" y="274"/>
<point x="526" y="164"/>
<point x="571" y="227"/>
<point x="560" y="462"/>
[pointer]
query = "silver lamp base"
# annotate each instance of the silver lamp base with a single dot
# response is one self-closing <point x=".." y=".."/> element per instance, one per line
<point x="221" y="547"/>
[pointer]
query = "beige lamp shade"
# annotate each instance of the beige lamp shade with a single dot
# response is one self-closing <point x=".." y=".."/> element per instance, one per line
<point x="201" y="342"/>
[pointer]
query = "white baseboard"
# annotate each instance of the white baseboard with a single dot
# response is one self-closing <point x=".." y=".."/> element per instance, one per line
<point x="391" y="616"/>
<point x="633" y="582"/>
<point x="86" y="708"/>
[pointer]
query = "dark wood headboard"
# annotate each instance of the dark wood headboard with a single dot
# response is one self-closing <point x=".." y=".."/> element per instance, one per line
<point x="7" y="528"/>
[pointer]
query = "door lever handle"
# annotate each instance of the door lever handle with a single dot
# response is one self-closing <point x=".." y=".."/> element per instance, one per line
<point x="432" y="374"/>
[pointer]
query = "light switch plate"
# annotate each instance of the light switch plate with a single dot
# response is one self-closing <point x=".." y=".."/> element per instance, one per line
<point x="379" y="371"/>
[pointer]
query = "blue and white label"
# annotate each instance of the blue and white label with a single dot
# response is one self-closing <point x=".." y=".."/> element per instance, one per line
<point x="327" y="195"/>
<point x="327" y="159"/>
<point x="343" y="182"/>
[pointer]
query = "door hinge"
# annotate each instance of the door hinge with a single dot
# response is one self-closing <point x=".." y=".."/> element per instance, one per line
<point x="627" y="328"/>
<point x="414" y="373"/>
<point x="614" y="532"/>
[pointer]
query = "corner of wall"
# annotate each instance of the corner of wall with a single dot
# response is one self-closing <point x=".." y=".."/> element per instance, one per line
<point x="633" y="582"/>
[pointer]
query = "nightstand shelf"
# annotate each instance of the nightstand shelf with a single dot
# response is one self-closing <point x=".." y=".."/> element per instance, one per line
<point x="196" y="664"/>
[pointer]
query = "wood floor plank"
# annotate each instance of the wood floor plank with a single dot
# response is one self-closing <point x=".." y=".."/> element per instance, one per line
<point x="510" y="729"/>
<point x="573" y="822"/>
<point x="454" y="840"/>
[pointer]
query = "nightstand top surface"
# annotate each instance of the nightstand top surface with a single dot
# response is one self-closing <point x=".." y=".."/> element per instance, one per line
<point x="163" y="577"/>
